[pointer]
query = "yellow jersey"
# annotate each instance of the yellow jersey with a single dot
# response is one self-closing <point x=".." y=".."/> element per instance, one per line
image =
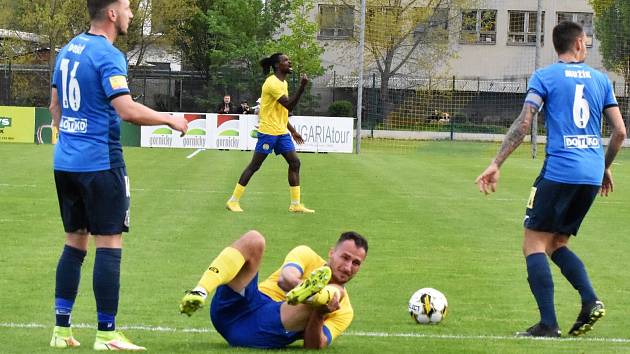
<point x="306" y="260"/>
<point x="273" y="117"/>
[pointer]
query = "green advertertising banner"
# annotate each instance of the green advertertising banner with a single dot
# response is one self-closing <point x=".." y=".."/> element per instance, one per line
<point x="17" y="124"/>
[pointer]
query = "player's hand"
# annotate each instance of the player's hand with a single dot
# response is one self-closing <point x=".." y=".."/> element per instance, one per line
<point x="298" y="138"/>
<point x="179" y="124"/>
<point x="488" y="179"/>
<point x="303" y="80"/>
<point x="332" y="306"/>
<point x="607" y="183"/>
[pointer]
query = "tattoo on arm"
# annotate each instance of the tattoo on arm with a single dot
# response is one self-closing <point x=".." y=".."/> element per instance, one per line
<point x="516" y="134"/>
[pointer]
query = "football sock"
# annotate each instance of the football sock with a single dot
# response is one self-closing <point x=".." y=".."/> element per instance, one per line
<point x="222" y="269"/>
<point x="106" y="285"/>
<point x="67" y="283"/>
<point x="295" y="194"/>
<point x="541" y="284"/>
<point x="238" y="192"/>
<point x="573" y="269"/>
<point x="324" y="296"/>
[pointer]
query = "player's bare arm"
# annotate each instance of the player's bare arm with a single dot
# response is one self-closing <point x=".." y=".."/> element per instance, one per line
<point x="54" y="108"/>
<point x="294" y="133"/>
<point x="617" y="138"/>
<point x="290" y="103"/>
<point x="488" y="179"/>
<point x="289" y="278"/>
<point x="314" y="337"/>
<point x="139" y="114"/>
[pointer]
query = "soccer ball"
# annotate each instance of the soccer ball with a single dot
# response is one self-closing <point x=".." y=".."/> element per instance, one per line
<point x="428" y="306"/>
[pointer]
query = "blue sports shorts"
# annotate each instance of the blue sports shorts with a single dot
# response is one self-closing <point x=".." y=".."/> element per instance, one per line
<point x="96" y="201"/>
<point x="278" y="143"/>
<point x="558" y="207"/>
<point x="251" y="319"/>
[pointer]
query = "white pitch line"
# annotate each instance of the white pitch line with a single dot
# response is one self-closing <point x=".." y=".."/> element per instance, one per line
<point x="148" y="328"/>
<point x="195" y="153"/>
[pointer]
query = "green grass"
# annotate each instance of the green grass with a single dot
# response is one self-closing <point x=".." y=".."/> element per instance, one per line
<point x="416" y="202"/>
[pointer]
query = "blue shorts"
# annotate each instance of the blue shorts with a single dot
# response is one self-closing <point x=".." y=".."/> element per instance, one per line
<point x="95" y="201"/>
<point x="249" y="320"/>
<point x="558" y="207"/>
<point x="278" y="143"/>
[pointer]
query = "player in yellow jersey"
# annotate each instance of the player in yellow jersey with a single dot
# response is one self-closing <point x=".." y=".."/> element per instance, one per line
<point x="275" y="131"/>
<point x="304" y="299"/>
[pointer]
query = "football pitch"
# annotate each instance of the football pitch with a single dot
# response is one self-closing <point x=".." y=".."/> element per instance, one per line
<point x="425" y="220"/>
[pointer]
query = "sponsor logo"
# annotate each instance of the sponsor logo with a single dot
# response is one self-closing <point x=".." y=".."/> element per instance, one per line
<point x="323" y="134"/>
<point x="581" y="141"/>
<point x="73" y="125"/>
<point x="214" y="269"/>
<point x="5" y="122"/>
<point x="118" y="82"/>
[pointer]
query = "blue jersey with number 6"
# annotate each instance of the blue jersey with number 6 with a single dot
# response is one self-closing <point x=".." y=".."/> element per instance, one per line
<point x="89" y="73"/>
<point x="574" y="96"/>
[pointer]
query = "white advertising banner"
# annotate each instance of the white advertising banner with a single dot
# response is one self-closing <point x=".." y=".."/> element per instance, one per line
<point x="164" y="136"/>
<point x="239" y="132"/>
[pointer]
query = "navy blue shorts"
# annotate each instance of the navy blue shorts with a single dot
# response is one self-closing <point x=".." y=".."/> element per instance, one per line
<point x="558" y="207"/>
<point x="278" y="143"/>
<point x="251" y="319"/>
<point x="95" y="201"/>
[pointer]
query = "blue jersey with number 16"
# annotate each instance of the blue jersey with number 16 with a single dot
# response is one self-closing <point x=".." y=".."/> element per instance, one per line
<point x="574" y="96"/>
<point x="89" y="73"/>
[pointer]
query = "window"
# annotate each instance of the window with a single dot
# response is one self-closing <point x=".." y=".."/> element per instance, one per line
<point x="436" y="25"/>
<point x="583" y="18"/>
<point x="479" y="26"/>
<point x="335" y="21"/>
<point x="383" y="24"/>
<point x="522" y="28"/>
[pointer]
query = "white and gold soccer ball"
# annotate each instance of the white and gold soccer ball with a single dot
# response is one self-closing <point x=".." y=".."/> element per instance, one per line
<point x="428" y="306"/>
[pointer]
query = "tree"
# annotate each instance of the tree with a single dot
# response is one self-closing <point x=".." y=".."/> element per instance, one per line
<point x="408" y="37"/>
<point x="612" y="29"/>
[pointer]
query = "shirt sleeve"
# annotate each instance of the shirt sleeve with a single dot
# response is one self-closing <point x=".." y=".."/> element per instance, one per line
<point x="537" y="87"/>
<point x="55" y="76"/>
<point x="300" y="257"/>
<point x="276" y="89"/>
<point x="610" y="100"/>
<point x="114" y="75"/>
<point x="337" y="322"/>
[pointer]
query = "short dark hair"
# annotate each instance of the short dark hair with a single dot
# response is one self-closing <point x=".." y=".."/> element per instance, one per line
<point x="96" y="7"/>
<point x="359" y="240"/>
<point x="564" y="35"/>
<point x="271" y="62"/>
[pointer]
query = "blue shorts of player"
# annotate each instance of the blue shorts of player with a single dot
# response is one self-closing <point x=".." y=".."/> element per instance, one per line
<point x="95" y="201"/>
<point x="559" y="207"/>
<point x="249" y="320"/>
<point x="278" y="143"/>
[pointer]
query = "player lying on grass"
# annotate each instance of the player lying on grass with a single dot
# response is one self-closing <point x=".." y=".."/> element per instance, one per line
<point x="304" y="299"/>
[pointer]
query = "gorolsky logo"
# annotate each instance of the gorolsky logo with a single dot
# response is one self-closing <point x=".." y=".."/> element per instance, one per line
<point x="5" y="122"/>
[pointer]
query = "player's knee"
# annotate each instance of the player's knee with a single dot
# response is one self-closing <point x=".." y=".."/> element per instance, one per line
<point x="294" y="164"/>
<point x="255" y="241"/>
<point x="557" y="242"/>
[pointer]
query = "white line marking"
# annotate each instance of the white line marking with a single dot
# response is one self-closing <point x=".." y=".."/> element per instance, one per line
<point x="195" y="153"/>
<point x="349" y="333"/>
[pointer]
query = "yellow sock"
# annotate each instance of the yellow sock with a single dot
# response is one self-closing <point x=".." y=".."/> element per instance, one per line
<point x="222" y="269"/>
<point x="324" y="296"/>
<point x="295" y="194"/>
<point x="238" y="192"/>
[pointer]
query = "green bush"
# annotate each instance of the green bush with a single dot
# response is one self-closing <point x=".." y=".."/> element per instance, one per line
<point x="340" y="108"/>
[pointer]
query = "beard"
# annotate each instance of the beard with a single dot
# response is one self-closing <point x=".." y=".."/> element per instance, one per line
<point x="120" y="30"/>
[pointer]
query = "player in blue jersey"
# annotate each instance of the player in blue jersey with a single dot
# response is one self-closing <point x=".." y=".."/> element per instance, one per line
<point x="89" y="97"/>
<point x="573" y="96"/>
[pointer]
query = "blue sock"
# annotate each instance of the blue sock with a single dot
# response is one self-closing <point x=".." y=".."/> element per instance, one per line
<point x="573" y="269"/>
<point x="67" y="283"/>
<point x="541" y="284"/>
<point x="106" y="284"/>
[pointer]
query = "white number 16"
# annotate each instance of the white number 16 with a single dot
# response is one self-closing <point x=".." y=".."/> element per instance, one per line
<point x="71" y="92"/>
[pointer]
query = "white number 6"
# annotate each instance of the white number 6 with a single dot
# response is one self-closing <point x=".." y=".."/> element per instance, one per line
<point x="581" y="112"/>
